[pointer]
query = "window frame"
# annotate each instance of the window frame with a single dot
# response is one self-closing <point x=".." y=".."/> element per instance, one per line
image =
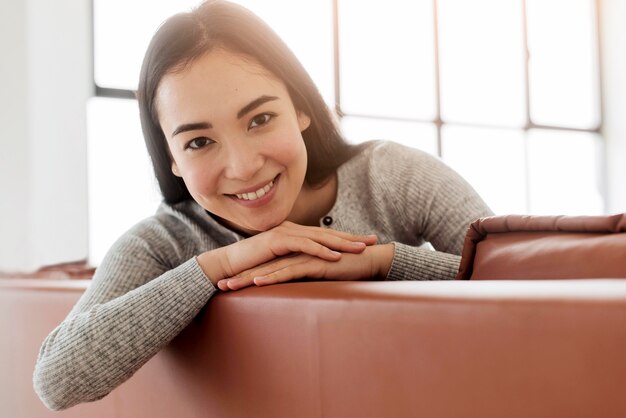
<point x="437" y="121"/>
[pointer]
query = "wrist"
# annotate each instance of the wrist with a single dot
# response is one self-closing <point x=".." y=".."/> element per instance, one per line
<point x="383" y="257"/>
<point x="211" y="265"/>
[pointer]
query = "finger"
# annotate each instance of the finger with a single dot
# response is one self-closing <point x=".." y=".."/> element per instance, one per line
<point x="223" y="285"/>
<point x="325" y="246"/>
<point x="291" y="272"/>
<point x="316" y="233"/>
<point x="239" y="283"/>
<point x="268" y="266"/>
<point x="247" y="278"/>
<point x="314" y="248"/>
<point x="341" y="241"/>
<point x="335" y="236"/>
<point x="341" y="234"/>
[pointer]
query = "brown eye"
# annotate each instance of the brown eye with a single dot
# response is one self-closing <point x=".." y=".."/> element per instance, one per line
<point x="260" y="120"/>
<point x="198" y="143"/>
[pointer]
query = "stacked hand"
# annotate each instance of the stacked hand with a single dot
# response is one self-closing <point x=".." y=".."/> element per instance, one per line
<point x="291" y="251"/>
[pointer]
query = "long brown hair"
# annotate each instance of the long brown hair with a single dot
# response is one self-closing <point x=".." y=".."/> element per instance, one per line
<point x="221" y="24"/>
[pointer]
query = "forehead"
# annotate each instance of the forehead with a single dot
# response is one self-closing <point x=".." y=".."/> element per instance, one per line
<point x="218" y="75"/>
<point x="213" y="88"/>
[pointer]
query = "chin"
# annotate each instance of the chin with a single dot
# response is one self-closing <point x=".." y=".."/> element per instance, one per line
<point x="265" y="225"/>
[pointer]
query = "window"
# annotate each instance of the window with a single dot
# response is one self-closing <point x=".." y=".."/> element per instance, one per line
<point x="489" y="86"/>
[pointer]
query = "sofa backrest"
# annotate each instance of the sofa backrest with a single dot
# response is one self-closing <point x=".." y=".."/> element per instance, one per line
<point x="526" y="247"/>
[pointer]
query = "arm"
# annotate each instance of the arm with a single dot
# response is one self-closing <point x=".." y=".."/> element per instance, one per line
<point x="409" y="196"/>
<point x="137" y="303"/>
<point x="439" y="206"/>
<point x="134" y="306"/>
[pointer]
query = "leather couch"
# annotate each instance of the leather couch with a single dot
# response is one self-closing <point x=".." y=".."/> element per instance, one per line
<point x="354" y="349"/>
<point x="519" y="347"/>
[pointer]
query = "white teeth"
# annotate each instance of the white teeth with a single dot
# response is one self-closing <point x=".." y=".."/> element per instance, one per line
<point x="258" y="194"/>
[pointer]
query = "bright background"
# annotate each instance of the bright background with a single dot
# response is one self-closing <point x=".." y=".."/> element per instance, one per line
<point x="523" y="98"/>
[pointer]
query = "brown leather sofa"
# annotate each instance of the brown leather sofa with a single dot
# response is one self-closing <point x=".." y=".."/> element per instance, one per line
<point x="476" y="349"/>
<point x="544" y="247"/>
<point x="355" y="349"/>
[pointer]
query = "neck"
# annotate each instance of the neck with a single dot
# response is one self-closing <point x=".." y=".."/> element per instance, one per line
<point x="314" y="202"/>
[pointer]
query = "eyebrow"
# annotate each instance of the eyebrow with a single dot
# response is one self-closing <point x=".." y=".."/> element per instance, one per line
<point x="191" y="127"/>
<point x="244" y="110"/>
<point x="254" y="104"/>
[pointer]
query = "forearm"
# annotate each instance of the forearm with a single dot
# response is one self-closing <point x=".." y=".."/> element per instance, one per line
<point x="94" y="351"/>
<point x="213" y="264"/>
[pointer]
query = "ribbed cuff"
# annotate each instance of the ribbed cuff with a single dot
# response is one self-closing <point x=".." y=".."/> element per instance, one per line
<point x="195" y="272"/>
<point x="415" y="263"/>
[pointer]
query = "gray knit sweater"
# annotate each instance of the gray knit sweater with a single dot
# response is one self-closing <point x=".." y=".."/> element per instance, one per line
<point x="150" y="286"/>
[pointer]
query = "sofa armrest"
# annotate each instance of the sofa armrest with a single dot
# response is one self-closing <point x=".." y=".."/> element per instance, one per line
<point x="524" y="247"/>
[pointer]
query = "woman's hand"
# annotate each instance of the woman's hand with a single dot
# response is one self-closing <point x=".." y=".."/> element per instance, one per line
<point x="374" y="261"/>
<point x="286" y="238"/>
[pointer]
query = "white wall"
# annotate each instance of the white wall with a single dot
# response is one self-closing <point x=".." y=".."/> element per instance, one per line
<point x="45" y="80"/>
<point x="14" y="170"/>
<point x="613" y="30"/>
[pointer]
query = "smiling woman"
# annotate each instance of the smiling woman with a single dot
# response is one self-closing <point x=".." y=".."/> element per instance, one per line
<point x="238" y="133"/>
<point x="259" y="188"/>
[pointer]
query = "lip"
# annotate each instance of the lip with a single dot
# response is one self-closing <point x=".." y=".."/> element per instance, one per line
<point x="253" y="188"/>
<point x="260" y="201"/>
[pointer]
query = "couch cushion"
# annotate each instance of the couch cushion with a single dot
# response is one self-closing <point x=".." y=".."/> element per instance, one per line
<point x="545" y="247"/>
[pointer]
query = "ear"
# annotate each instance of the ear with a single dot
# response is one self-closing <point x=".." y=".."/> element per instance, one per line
<point x="175" y="169"/>
<point x="304" y="121"/>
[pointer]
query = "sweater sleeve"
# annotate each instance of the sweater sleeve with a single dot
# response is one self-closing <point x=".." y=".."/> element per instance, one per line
<point x="436" y="204"/>
<point x="136" y="304"/>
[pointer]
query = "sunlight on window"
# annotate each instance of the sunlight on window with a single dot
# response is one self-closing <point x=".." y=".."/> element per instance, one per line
<point x="564" y="173"/>
<point x="123" y="29"/>
<point x="482" y="62"/>
<point x="563" y="63"/>
<point x="492" y="161"/>
<point x="307" y="27"/>
<point x="412" y="134"/>
<point x="122" y="186"/>
<point x="387" y="58"/>
<point x="388" y="90"/>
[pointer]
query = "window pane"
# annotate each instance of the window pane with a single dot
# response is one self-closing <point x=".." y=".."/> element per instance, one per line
<point x="492" y="161"/>
<point x="307" y="27"/>
<point x="564" y="173"/>
<point x="387" y="58"/>
<point x="413" y="134"/>
<point x="482" y="62"/>
<point x="563" y="68"/>
<point x="122" y="186"/>
<point x="123" y="29"/>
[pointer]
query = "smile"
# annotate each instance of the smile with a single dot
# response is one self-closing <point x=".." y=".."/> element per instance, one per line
<point x="256" y="194"/>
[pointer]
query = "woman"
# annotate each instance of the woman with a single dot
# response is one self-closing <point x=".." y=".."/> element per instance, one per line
<point x="259" y="187"/>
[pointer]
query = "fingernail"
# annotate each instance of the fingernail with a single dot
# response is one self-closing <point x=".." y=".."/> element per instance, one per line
<point x="335" y="253"/>
<point x="358" y="244"/>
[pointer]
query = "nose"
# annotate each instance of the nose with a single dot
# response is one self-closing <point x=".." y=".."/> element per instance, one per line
<point x="242" y="160"/>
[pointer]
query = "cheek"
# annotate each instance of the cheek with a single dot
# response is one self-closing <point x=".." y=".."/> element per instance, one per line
<point x="291" y="149"/>
<point x="200" y="178"/>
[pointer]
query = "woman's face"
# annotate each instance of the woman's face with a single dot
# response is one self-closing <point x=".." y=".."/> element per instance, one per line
<point x="235" y="138"/>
